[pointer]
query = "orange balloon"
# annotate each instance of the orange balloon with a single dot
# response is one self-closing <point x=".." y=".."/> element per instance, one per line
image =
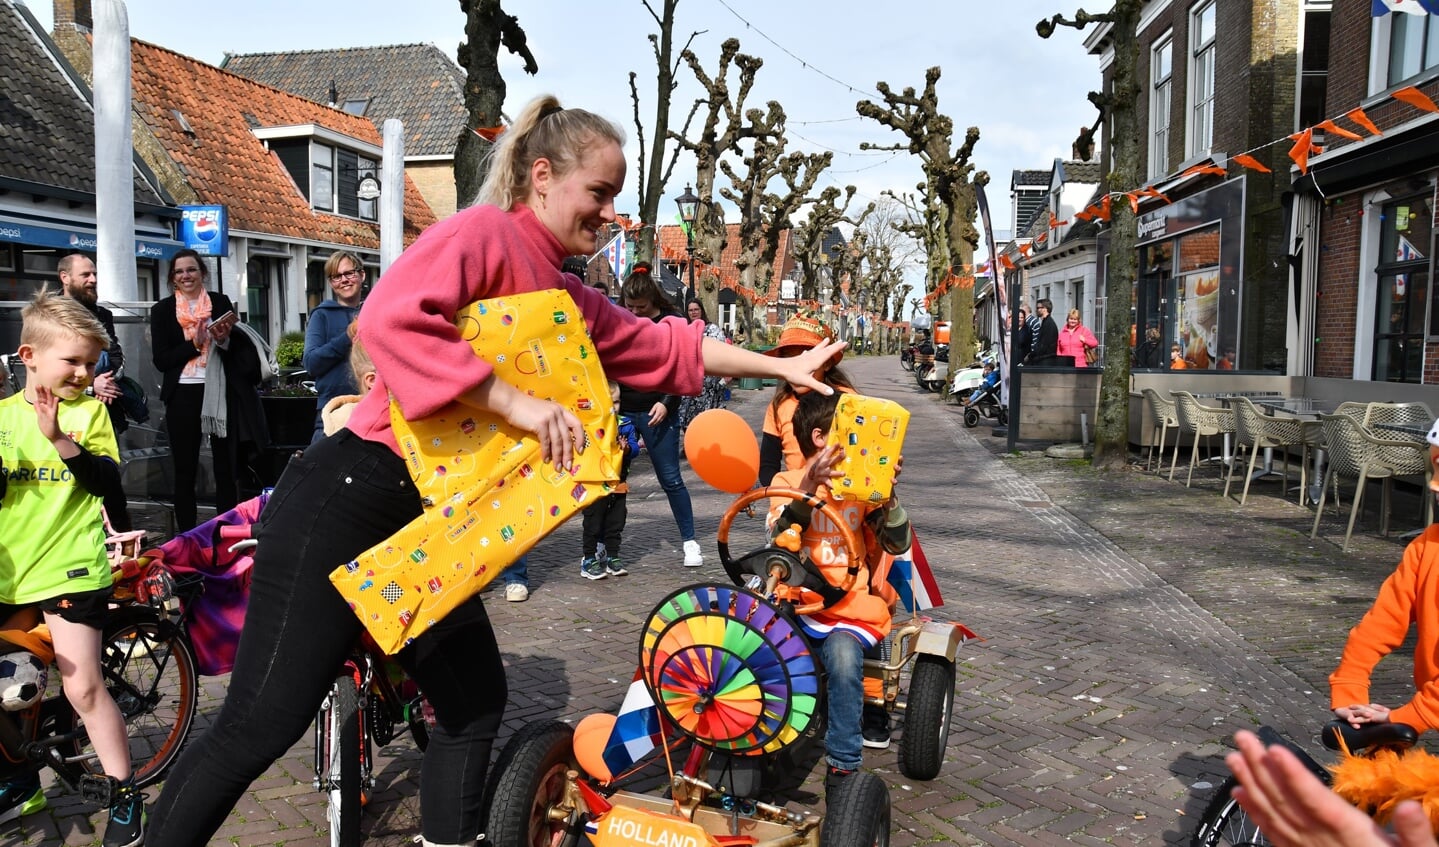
<point x="722" y="450"/>
<point x="591" y="735"/>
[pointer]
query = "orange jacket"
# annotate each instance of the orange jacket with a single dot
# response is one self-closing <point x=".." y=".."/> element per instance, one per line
<point x="1409" y="596"/>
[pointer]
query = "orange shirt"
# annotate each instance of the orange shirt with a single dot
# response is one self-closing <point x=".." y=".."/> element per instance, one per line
<point x="1409" y="596"/>
<point x="781" y="424"/>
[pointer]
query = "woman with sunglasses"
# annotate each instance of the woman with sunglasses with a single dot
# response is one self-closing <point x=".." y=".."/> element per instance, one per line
<point x="327" y="337"/>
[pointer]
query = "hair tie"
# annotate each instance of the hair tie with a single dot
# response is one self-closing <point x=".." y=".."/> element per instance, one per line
<point x="550" y="110"/>
<point x="640" y="268"/>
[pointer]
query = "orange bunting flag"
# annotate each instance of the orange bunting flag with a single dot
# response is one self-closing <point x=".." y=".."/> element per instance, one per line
<point x="1331" y="126"/>
<point x="1416" y="98"/>
<point x="1104" y="208"/>
<point x="1025" y="248"/>
<point x="1204" y="169"/>
<point x="1133" y="201"/>
<point x="1248" y="161"/>
<point x="490" y="133"/>
<point x="1085" y="215"/>
<point x="1043" y="237"/>
<point x="1006" y="263"/>
<point x="1359" y="117"/>
<point x="1155" y="193"/>
<point x="1054" y="224"/>
<point x="1303" y="148"/>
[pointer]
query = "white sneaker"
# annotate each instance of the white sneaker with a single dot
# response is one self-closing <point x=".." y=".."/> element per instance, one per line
<point x="516" y="593"/>
<point x="693" y="557"/>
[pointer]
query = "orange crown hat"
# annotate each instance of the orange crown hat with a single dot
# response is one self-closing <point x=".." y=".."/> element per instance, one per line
<point x="800" y="333"/>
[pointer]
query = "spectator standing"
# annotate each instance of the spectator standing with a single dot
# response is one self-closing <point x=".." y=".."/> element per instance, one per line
<point x="192" y="338"/>
<point x="78" y="281"/>
<point x="1046" y="336"/>
<point x="327" y="340"/>
<point x="711" y="396"/>
<point x="1148" y="354"/>
<point x="655" y="415"/>
<point x="1074" y="340"/>
<point x="1027" y="325"/>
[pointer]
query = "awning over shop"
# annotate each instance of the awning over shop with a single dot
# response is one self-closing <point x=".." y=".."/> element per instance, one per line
<point x="79" y="238"/>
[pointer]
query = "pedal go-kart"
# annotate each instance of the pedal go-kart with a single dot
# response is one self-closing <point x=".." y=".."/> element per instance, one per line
<point x="733" y="691"/>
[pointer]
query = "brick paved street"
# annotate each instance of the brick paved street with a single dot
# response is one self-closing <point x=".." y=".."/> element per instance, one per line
<point x="1132" y="626"/>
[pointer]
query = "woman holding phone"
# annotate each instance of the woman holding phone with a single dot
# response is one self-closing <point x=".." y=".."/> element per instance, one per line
<point x="192" y="336"/>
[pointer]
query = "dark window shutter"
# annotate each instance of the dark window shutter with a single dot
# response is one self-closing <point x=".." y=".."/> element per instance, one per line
<point x="347" y="163"/>
<point x="295" y="156"/>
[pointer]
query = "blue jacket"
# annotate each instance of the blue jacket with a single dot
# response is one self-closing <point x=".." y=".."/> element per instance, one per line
<point x="327" y="352"/>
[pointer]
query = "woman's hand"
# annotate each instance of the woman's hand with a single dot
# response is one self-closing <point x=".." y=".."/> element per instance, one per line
<point x="657" y="413"/>
<point x="559" y="431"/>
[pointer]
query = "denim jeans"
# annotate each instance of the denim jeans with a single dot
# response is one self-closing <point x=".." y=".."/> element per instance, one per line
<point x="662" y="442"/>
<point x="843" y="657"/>
<point x="341" y="497"/>
<point x="518" y="573"/>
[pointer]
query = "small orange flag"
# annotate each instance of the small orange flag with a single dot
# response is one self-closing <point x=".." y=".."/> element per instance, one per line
<point x="1303" y="148"/>
<point x="490" y="133"/>
<point x="1025" y="248"/>
<point x="1006" y="263"/>
<point x="1054" y="224"/>
<point x="1251" y="163"/>
<point x="1155" y="193"/>
<point x="1133" y="201"/>
<point x="1416" y="98"/>
<point x="1331" y="126"/>
<point x="1104" y="208"/>
<point x="1085" y="215"/>
<point x="1204" y="169"/>
<point x="1359" y="117"/>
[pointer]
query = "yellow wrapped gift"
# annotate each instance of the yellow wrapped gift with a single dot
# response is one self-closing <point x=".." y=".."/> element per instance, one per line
<point x="488" y="497"/>
<point x="871" y="432"/>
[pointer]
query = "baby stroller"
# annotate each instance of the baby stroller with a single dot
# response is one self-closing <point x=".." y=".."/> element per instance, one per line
<point x="985" y="405"/>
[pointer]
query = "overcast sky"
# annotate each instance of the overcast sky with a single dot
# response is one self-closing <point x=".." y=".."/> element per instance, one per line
<point x="1026" y="95"/>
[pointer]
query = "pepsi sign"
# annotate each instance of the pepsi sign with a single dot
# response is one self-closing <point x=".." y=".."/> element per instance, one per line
<point x="205" y="229"/>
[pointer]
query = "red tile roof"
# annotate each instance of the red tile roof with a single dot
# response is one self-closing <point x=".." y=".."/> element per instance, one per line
<point x="224" y="161"/>
<point x="671" y="248"/>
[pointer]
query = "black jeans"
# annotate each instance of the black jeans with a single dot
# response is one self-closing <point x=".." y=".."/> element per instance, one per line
<point x="341" y="497"/>
<point x="182" y="422"/>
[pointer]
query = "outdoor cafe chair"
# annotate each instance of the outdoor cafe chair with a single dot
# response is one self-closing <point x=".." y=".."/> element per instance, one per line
<point x="1258" y="431"/>
<point x="1162" y="411"/>
<point x="1201" y="421"/>
<point x="1356" y="452"/>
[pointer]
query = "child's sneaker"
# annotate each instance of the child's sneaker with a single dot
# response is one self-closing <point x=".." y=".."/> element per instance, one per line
<point x="127" y="819"/>
<point x="615" y="567"/>
<point x="874" y="727"/>
<point x="693" y="557"/>
<point x="20" y="795"/>
<point x="591" y="567"/>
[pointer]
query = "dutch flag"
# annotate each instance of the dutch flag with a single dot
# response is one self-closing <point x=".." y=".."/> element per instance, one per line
<point x="1379" y="8"/>
<point x="912" y="579"/>
<point x="637" y="729"/>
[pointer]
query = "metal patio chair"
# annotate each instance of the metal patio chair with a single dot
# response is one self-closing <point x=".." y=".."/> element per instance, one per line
<point x="1194" y="417"/>
<point x="1257" y="431"/>
<point x="1162" y="411"/>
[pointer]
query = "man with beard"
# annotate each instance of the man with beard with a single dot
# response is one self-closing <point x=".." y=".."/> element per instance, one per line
<point x="77" y="281"/>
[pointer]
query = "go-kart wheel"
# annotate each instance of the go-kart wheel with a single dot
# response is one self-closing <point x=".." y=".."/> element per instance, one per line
<point x="856" y="814"/>
<point x="927" y="714"/>
<point x="796" y="570"/>
<point x="971" y="417"/>
<point x="1003" y="416"/>
<point x="528" y="782"/>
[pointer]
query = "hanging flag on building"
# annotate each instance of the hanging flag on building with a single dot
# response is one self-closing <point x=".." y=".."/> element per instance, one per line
<point x="1379" y="8"/>
<point x="617" y="257"/>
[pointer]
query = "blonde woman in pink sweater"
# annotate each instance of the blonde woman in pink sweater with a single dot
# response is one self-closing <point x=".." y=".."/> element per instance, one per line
<point x="550" y="190"/>
<point x="1074" y="339"/>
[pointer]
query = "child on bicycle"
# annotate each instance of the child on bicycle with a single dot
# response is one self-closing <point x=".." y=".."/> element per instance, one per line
<point x="604" y="520"/>
<point x="1409" y="595"/>
<point x="60" y="459"/>
<point x="862" y="619"/>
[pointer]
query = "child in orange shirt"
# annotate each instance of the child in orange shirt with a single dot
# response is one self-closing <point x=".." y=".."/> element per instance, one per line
<point x="862" y="619"/>
<point x="1409" y="596"/>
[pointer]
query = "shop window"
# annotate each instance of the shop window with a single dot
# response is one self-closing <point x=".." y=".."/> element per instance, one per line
<point x="1161" y="72"/>
<point x="1201" y="79"/>
<point x="1402" y="297"/>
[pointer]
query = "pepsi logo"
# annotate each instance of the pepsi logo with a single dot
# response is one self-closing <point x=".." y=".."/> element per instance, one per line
<point x="207" y="230"/>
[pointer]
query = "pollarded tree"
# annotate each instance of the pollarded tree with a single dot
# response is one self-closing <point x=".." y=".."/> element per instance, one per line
<point x="722" y="129"/>
<point x="947" y="193"/>
<point x="825" y="213"/>
<point x="486" y="28"/>
<point x="1111" y="430"/>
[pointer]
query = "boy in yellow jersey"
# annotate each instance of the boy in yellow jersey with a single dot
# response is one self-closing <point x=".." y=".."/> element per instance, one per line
<point x="60" y="460"/>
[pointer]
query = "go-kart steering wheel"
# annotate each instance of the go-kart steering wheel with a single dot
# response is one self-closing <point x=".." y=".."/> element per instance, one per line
<point x="787" y="565"/>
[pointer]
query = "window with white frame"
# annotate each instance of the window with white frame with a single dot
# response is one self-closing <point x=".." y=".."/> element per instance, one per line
<point x="1161" y="72"/>
<point x="1411" y="46"/>
<point x="1202" y="54"/>
<point x="322" y="177"/>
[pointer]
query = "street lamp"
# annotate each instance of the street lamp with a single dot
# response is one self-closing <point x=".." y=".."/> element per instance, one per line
<point x="689" y="204"/>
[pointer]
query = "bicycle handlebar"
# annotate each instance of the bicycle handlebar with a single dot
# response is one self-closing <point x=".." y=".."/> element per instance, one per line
<point x="242" y="530"/>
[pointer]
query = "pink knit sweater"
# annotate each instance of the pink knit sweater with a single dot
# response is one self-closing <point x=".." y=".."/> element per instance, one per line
<point x="407" y="323"/>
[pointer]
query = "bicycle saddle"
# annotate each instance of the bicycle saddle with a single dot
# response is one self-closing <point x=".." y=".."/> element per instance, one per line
<point x="1399" y="736"/>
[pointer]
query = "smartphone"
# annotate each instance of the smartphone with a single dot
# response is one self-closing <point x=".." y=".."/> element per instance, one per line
<point x="229" y="318"/>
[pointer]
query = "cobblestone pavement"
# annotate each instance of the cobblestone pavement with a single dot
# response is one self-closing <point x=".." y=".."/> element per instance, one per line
<point x="1132" y="626"/>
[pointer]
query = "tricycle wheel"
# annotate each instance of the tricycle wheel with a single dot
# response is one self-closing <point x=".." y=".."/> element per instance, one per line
<point x="926" y="718"/>
<point x="529" y="780"/>
<point x="1003" y="416"/>
<point x="857" y="813"/>
<point x="971" y="417"/>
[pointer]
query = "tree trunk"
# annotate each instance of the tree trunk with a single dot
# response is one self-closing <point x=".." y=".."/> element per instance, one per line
<point x="486" y="28"/>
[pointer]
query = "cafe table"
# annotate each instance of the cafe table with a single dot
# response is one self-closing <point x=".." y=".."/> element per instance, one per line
<point x="1304" y="407"/>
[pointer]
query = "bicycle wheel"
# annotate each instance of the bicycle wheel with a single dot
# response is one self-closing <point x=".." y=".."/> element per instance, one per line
<point x="1225" y="822"/>
<point x="341" y="740"/>
<point x="149" y="671"/>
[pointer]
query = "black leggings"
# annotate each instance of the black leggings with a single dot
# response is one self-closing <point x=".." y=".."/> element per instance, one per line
<point x="341" y="497"/>
<point x="182" y="423"/>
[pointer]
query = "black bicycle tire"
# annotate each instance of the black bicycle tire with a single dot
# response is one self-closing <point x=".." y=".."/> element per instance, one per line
<point x="124" y="647"/>
<point x="343" y="734"/>
<point x="1220" y="816"/>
